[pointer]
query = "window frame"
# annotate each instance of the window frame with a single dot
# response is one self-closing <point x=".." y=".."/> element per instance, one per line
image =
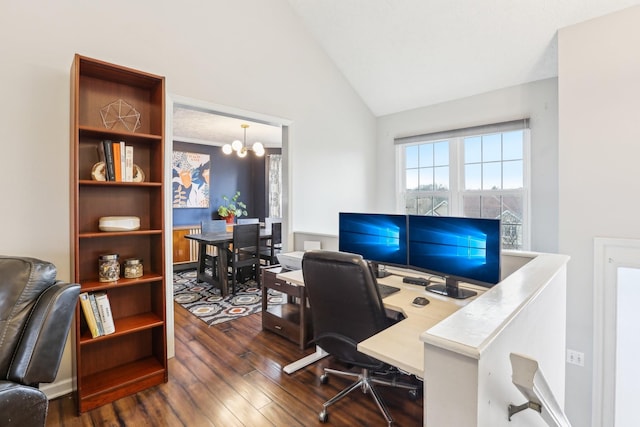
<point x="456" y="192"/>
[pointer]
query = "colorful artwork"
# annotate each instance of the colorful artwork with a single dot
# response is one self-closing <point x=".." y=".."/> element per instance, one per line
<point x="190" y="180"/>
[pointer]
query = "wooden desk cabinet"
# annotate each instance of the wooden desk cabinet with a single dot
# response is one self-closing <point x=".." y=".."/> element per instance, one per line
<point x="291" y="320"/>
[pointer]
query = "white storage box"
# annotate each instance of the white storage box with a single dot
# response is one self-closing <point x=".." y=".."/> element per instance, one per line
<point x="119" y="223"/>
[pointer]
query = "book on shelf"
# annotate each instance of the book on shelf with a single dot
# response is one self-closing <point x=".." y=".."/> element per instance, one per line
<point x="88" y="314"/>
<point x="128" y="167"/>
<point x="108" y="155"/>
<point x="104" y="308"/>
<point x="117" y="161"/>
<point x="96" y="314"/>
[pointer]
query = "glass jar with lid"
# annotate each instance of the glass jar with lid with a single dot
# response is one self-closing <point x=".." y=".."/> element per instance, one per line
<point x="109" y="268"/>
<point x="132" y="268"/>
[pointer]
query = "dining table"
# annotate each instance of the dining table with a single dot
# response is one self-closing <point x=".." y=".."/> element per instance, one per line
<point x="221" y="241"/>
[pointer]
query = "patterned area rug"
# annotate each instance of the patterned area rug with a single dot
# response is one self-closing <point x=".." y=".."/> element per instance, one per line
<point x="205" y="302"/>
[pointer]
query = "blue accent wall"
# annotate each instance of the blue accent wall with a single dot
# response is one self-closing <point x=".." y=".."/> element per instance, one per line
<point x="227" y="175"/>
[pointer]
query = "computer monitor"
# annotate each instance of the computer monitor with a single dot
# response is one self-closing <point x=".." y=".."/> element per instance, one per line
<point x="459" y="249"/>
<point x="379" y="238"/>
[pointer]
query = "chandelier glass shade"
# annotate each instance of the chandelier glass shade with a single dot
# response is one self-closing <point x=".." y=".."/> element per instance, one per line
<point x="240" y="147"/>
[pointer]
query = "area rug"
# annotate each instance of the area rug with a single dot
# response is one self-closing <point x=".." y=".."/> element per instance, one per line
<point x="205" y="302"/>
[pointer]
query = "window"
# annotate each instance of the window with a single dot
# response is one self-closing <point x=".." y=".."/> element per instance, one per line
<point x="477" y="172"/>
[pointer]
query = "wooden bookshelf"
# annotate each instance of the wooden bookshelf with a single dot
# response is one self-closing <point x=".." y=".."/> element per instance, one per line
<point x="135" y="356"/>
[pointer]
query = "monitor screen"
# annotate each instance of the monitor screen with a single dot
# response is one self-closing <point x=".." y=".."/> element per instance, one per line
<point x="467" y="249"/>
<point x="380" y="238"/>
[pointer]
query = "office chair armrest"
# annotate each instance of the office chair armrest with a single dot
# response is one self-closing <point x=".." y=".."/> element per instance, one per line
<point x="37" y="356"/>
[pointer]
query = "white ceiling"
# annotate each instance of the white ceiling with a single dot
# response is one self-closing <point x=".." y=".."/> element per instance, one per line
<point x="404" y="54"/>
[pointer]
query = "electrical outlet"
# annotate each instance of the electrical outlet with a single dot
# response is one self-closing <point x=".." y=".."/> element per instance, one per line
<point x="575" y="357"/>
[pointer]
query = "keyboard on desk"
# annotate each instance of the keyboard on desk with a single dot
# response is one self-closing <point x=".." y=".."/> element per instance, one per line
<point x="386" y="290"/>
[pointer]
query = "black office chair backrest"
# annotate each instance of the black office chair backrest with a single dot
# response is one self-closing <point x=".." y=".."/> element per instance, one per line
<point x="246" y="238"/>
<point x="214" y="226"/>
<point x="345" y="304"/>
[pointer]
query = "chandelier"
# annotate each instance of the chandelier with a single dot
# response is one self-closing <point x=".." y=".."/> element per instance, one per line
<point x="240" y="147"/>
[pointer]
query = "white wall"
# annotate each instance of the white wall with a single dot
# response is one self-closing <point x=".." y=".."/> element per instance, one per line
<point x="537" y="100"/>
<point x="599" y="111"/>
<point x="249" y="54"/>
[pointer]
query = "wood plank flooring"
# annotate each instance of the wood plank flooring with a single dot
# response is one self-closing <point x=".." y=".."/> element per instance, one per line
<point x="231" y="375"/>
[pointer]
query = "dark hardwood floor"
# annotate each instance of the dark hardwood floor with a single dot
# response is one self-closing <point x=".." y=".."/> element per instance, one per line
<point x="231" y="375"/>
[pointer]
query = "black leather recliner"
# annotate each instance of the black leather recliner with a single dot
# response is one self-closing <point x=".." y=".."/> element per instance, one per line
<point x="35" y="316"/>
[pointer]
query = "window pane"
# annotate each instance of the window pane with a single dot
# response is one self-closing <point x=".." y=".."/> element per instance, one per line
<point x="472" y="150"/>
<point x="512" y="225"/>
<point x="471" y="206"/>
<point x="424" y="205"/>
<point x="491" y="179"/>
<point x="441" y="178"/>
<point x="512" y="143"/>
<point x="411" y="204"/>
<point x="440" y="206"/>
<point x="472" y="177"/>
<point x="412" y="179"/>
<point x="512" y="174"/>
<point x="513" y="206"/>
<point x="491" y="148"/>
<point x="411" y="156"/>
<point x="491" y="207"/>
<point x="426" y="179"/>
<point x="441" y="153"/>
<point x="426" y="155"/>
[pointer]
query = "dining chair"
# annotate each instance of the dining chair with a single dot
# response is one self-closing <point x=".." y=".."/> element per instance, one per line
<point x="208" y="254"/>
<point x="247" y="221"/>
<point x="273" y="247"/>
<point x="244" y="253"/>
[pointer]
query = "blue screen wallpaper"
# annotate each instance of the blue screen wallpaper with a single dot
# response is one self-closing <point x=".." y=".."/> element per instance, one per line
<point x="467" y="248"/>
<point x="377" y="237"/>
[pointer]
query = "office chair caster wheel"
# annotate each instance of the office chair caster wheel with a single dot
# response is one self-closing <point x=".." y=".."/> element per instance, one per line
<point x="323" y="417"/>
<point x="413" y="395"/>
<point x="324" y="379"/>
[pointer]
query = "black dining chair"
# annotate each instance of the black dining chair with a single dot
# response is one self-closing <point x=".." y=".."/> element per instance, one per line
<point x="244" y="254"/>
<point x="270" y="251"/>
<point x="346" y="308"/>
<point x="208" y="254"/>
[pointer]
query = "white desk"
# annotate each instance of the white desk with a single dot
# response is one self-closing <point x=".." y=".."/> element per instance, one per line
<point x="400" y="344"/>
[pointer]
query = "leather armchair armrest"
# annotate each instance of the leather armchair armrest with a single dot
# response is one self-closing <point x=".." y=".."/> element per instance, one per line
<point x="42" y="341"/>
<point x="22" y="406"/>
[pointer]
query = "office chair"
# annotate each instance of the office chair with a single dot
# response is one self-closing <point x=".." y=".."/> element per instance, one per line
<point x="269" y="252"/>
<point x="346" y="308"/>
<point x="245" y="252"/>
<point x="208" y="254"/>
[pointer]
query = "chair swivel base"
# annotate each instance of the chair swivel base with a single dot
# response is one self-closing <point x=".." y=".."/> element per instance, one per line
<point x="365" y="381"/>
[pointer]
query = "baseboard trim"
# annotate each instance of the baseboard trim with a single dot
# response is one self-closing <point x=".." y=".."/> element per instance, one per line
<point x="58" y="388"/>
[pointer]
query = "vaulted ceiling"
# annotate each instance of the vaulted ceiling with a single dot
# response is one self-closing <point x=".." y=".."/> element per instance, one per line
<point x="403" y="54"/>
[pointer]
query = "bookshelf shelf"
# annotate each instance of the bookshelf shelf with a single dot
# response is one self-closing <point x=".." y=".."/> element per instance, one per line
<point x="134" y="357"/>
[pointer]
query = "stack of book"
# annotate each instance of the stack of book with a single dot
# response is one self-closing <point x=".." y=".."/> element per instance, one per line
<point x="97" y="312"/>
<point x="118" y="159"/>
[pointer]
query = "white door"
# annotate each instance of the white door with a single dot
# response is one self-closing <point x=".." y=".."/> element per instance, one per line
<point x="616" y="384"/>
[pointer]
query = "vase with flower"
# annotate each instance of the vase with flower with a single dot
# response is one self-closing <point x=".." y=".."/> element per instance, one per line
<point x="232" y="208"/>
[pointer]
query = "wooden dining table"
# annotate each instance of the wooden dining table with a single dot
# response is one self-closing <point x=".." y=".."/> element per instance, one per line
<point x="221" y="241"/>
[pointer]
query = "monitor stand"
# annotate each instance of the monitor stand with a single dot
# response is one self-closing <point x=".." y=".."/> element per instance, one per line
<point x="451" y="289"/>
<point x="379" y="272"/>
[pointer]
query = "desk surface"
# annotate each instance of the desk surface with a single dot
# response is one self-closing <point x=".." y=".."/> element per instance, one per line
<point x="400" y="345"/>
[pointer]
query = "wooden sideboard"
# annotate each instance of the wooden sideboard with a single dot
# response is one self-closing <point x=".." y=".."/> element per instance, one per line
<point x="185" y="251"/>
